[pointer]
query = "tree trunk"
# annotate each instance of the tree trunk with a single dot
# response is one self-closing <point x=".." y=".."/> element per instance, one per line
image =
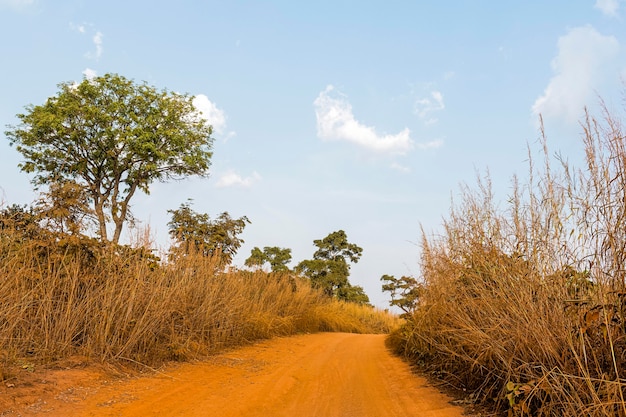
<point x="123" y="210"/>
<point x="102" y="223"/>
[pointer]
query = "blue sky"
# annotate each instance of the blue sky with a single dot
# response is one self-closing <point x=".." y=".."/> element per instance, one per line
<point x="356" y="115"/>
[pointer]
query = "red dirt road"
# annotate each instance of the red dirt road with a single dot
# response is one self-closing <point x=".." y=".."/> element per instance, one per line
<point x="322" y="375"/>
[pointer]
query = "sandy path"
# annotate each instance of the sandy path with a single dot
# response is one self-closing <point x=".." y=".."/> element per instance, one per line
<point x="328" y="375"/>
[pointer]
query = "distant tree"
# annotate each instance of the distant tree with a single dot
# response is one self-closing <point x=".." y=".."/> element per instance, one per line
<point x="256" y="258"/>
<point x="353" y="294"/>
<point x="278" y="258"/>
<point x="404" y="292"/>
<point x="112" y="137"/>
<point x="195" y="233"/>
<point x="329" y="269"/>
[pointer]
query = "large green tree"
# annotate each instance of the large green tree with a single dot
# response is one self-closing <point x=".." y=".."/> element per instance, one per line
<point x="330" y="267"/>
<point x="112" y="137"/>
<point x="196" y="233"/>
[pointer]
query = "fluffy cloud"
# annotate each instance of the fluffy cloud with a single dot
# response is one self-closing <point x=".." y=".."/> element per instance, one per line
<point x="585" y="60"/>
<point x="608" y="7"/>
<point x="210" y="112"/>
<point x="232" y="179"/>
<point x="426" y="106"/>
<point x="335" y="121"/>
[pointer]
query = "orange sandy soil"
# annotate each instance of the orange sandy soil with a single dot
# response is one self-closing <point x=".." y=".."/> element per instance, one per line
<point x="322" y="375"/>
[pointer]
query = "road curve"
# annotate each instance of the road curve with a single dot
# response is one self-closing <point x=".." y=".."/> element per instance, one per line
<point x="321" y="375"/>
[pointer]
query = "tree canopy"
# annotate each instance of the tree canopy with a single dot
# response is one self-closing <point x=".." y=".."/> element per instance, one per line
<point x="278" y="258"/>
<point x="330" y="267"/>
<point x="196" y="233"/>
<point x="404" y="291"/>
<point x="112" y="137"/>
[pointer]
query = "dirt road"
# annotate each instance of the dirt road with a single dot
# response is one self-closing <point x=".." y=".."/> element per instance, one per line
<point x="325" y="375"/>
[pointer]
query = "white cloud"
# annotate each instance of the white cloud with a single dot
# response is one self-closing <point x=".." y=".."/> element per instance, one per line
<point x="16" y="4"/>
<point x="96" y="38"/>
<point x="90" y="74"/>
<point x="211" y="113"/>
<point x="585" y="60"/>
<point x="335" y="121"/>
<point x="232" y="179"/>
<point x="608" y="7"/>
<point x="426" y="106"/>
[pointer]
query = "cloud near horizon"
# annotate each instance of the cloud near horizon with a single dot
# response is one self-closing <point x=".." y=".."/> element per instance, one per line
<point x="233" y="179"/>
<point x="586" y="59"/>
<point x="335" y="121"/>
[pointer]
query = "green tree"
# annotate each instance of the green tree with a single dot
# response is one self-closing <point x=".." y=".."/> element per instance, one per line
<point x="196" y="233"/>
<point x="404" y="292"/>
<point x="113" y="137"/>
<point x="256" y="258"/>
<point x="353" y="294"/>
<point x="278" y="258"/>
<point x="329" y="269"/>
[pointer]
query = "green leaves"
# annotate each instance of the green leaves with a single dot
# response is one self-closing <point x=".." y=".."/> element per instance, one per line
<point x="335" y="246"/>
<point x="112" y="136"/>
<point x="329" y="269"/>
<point x="278" y="258"/>
<point x="404" y="291"/>
<point x="195" y="233"/>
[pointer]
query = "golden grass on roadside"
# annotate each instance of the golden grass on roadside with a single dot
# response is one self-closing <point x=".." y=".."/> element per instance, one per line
<point x="524" y="305"/>
<point x="355" y="318"/>
<point x="77" y="297"/>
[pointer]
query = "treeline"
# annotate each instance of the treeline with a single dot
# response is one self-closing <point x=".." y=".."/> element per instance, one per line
<point x="522" y="304"/>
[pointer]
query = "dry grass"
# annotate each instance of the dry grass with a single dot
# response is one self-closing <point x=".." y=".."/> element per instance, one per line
<point x="71" y="296"/>
<point x="524" y="306"/>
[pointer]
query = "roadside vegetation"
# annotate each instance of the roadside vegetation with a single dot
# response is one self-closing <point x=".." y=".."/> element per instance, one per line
<point x="521" y="303"/>
<point x="64" y="296"/>
<point x="69" y="287"/>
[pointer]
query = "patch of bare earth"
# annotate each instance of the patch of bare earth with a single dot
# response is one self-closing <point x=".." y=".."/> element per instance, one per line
<point x="327" y="374"/>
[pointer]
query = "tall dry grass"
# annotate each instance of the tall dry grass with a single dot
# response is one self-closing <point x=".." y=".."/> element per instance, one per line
<point x="524" y="302"/>
<point x="73" y="296"/>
